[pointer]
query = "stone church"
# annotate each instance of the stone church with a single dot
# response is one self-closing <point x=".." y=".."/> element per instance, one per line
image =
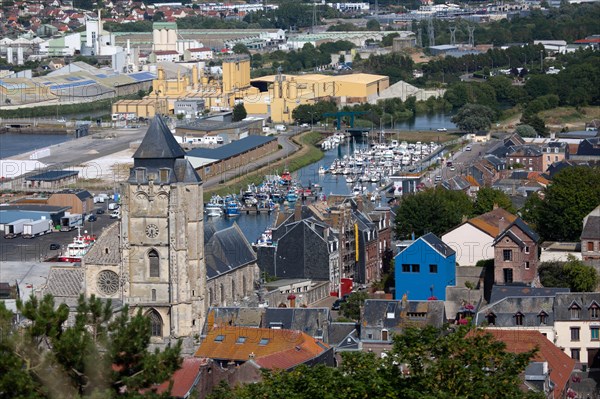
<point x="153" y="259"/>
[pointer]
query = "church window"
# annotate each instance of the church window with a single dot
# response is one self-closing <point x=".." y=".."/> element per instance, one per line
<point x="233" y="293"/>
<point x="140" y="175"/>
<point x="154" y="263"/>
<point x="211" y="297"/>
<point x="222" y="294"/>
<point x="244" y="285"/>
<point x="153" y="295"/>
<point x="155" y="323"/>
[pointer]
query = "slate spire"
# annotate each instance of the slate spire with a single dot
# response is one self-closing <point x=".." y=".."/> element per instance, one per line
<point x="159" y="143"/>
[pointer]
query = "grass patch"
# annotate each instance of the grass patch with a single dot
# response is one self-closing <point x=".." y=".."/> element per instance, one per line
<point x="572" y="115"/>
<point x="308" y="154"/>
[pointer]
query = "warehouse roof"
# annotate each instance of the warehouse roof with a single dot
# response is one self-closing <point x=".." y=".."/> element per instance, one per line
<point x="53" y="175"/>
<point x="230" y="150"/>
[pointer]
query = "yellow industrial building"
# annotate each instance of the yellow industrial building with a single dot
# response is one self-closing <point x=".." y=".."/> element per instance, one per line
<point x="274" y="96"/>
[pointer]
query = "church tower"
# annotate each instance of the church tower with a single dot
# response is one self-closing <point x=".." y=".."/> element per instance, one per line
<point x="162" y="237"/>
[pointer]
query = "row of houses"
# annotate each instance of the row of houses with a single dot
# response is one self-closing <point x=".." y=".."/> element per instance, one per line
<point x="342" y="238"/>
<point x="520" y="166"/>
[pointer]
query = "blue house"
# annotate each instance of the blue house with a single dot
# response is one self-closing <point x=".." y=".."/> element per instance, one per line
<point x="424" y="269"/>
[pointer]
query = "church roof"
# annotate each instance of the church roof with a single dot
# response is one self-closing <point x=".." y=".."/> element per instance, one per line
<point x="227" y="250"/>
<point x="159" y="142"/>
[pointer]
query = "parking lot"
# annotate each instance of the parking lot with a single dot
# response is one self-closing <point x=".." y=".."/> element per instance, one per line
<point x="37" y="249"/>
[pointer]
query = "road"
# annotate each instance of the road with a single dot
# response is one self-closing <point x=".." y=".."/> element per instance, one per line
<point x="461" y="162"/>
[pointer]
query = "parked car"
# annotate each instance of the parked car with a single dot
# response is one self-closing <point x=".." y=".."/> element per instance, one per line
<point x="452" y="167"/>
<point x="92" y="218"/>
<point x="468" y="148"/>
<point x="442" y="129"/>
<point x="438" y="178"/>
<point x="99" y="211"/>
<point x="54" y="246"/>
<point x="337" y="304"/>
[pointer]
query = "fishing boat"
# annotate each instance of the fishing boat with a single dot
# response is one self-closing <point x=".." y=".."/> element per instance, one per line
<point x="213" y="210"/>
<point x="232" y="209"/>
<point x="286" y="177"/>
<point x="321" y="170"/>
<point x="78" y="248"/>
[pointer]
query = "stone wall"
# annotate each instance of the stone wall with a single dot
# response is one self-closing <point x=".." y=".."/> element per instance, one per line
<point x="231" y="288"/>
<point x="319" y="291"/>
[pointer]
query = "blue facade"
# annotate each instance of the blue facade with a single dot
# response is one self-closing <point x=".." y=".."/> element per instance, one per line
<point x="425" y="268"/>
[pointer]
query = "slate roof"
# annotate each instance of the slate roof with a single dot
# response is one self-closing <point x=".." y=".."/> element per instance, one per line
<point x="312" y="321"/>
<point x="456" y="183"/>
<point x="159" y="142"/>
<point x="529" y="306"/>
<point x="524" y="150"/>
<point x="500" y="292"/>
<point x="438" y="245"/>
<point x="563" y="302"/>
<point x="591" y="230"/>
<point x="521" y="225"/>
<point x="105" y="250"/>
<point x="338" y="331"/>
<point x="232" y="149"/>
<point x="65" y="282"/>
<point x="560" y="364"/>
<point x="227" y="250"/>
<point x="409" y="313"/>
<point x="53" y="175"/>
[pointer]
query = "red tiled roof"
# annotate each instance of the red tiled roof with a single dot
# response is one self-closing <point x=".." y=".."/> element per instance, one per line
<point x="519" y="341"/>
<point x="270" y="348"/>
<point x="198" y="50"/>
<point x="183" y="379"/>
<point x="165" y="52"/>
<point x="489" y="222"/>
<point x="590" y="40"/>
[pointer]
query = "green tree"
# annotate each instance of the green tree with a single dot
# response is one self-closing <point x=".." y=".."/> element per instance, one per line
<point x="488" y="197"/>
<point x="239" y="112"/>
<point x="434" y="210"/>
<point x="467" y="364"/>
<point x="351" y="308"/>
<point x="474" y="117"/>
<point x="525" y="131"/>
<point x="535" y="122"/>
<point x="93" y="357"/>
<point x="373" y="25"/>
<point x="240" y="48"/>
<point x="463" y="364"/>
<point x="573" y="274"/>
<point x="574" y="193"/>
<point x="582" y="278"/>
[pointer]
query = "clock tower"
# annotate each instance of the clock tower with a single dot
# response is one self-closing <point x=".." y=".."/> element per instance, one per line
<point x="162" y="237"/>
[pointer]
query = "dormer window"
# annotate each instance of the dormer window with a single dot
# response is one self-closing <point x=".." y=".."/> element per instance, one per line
<point x="491" y="319"/>
<point x="594" y="310"/>
<point x="519" y="319"/>
<point x="140" y="175"/>
<point x="543" y="317"/>
<point x="575" y="311"/>
<point x="164" y="175"/>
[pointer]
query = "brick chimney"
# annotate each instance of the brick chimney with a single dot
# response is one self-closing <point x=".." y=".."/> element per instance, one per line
<point x="292" y="299"/>
<point x="495" y="206"/>
<point x="502" y="225"/>
<point x="359" y="203"/>
<point x="298" y="212"/>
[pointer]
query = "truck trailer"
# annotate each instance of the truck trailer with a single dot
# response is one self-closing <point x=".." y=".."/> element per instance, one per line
<point x="71" y="221"/>
<point x="37" y="228"/>
<point x="12" y="230"/>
